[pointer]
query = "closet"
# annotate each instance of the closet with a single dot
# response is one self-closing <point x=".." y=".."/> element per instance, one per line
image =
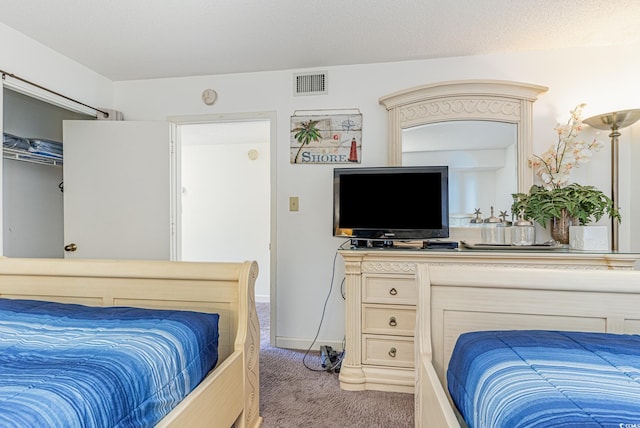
<point x="33" y="222"/>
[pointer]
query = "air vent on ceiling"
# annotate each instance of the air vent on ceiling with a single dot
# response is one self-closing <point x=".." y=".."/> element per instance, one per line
<point x="314" y="83"/>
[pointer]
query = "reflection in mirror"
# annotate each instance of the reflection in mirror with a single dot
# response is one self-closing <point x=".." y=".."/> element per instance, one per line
<point x="482" y="161"/>
<point x="497" y="103"/>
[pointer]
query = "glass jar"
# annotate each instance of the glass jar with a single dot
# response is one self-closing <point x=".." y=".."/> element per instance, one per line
<point x="523" y="232"/>
<point x="493" y="230"/>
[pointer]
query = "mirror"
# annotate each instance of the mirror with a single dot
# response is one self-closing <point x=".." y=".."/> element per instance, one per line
<point x="465" y="122"/>
<point x="481" y="157"/>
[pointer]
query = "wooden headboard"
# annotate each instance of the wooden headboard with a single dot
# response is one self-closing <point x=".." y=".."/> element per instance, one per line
<point x="460" y="299"/>
<point x="230" y="394"/>
<point x="457" y="299"/>
<point x="203" y="287"/>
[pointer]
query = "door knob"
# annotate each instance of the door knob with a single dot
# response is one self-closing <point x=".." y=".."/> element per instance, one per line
<point x="70" y="247"/>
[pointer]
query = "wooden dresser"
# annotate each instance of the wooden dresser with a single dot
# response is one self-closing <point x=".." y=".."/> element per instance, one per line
<point x="381" y="292"/>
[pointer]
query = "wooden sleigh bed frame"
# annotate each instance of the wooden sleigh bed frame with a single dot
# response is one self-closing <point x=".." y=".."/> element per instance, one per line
<point x="230" y="393"/>
<point x="454" y="300"/>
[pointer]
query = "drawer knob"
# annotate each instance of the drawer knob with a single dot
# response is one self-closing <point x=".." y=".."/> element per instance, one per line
<point x="392" y="352"/>
<point x="393" y="291"/>
<point x="393" y="322"/>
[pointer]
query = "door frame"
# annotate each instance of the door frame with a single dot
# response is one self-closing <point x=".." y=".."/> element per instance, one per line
<point x="176" y="188"/>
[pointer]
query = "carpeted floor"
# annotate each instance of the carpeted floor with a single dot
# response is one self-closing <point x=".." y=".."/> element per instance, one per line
<point x="293" y="396"/>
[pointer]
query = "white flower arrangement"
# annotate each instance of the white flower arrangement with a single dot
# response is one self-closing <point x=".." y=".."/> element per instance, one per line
<point x="555" y="165"/>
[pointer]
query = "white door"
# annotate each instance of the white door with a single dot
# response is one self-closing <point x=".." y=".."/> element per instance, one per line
<point x="117" y="190"/>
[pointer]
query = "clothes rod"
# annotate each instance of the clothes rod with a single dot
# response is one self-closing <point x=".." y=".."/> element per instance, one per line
<point x="13" y="76"/>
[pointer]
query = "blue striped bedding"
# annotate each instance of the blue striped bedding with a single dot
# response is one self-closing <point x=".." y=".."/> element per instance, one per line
<point x="65" y="365"/>
<point x="512" y="379"/>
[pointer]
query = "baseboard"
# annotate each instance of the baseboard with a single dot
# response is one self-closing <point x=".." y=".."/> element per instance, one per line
<point x="263" y="298"/>
<point x="304" y="344"/>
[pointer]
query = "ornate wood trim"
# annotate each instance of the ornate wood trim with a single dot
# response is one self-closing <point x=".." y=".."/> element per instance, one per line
<point x="388" y="267"/>
<point x="492" y="100"/>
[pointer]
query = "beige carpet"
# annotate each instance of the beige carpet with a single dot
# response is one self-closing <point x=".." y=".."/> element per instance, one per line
<point x="293" y="396"/>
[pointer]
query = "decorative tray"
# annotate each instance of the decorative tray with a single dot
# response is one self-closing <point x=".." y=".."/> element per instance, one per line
<point x="550" y="245"/>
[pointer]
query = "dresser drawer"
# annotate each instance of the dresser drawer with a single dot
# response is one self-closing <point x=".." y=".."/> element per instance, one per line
<point x="388" y="319"/>
<point x="399" y="290"/>
<point x="387" y="350"/>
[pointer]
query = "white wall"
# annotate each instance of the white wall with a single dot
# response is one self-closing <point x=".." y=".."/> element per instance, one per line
<point x="31" y="60"/>
<point x="222" y="222"/>
<point x="306" y="247"/>
<point x="605" y="78"/>
<point x="28" y="59"/>
<point x="32" y="201"/>
<point x="631" y="187"/>
<point x="32" y="217"/>
<point x="305" y="243"/>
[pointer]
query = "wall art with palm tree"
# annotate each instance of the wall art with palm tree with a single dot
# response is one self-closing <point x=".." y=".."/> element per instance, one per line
<point x="331" y="138"/>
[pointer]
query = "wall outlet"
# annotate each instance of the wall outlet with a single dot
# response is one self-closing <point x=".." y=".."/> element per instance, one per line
<point x="294" y="203"/>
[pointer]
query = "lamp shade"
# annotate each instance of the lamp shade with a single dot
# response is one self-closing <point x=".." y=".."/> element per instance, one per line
<point x="614" y="120"/>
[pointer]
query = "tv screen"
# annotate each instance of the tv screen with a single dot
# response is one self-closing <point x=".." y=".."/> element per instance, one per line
<point x="391" y="203"/>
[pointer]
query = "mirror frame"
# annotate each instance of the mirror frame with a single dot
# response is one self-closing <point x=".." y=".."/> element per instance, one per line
<point x="488" y="100"/>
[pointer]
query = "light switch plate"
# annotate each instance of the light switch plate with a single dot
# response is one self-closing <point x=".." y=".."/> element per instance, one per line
<point x="294" y="203"/>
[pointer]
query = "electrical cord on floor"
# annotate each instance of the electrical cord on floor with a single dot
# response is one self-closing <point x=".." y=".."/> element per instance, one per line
<point x="338" y="361"/>
<point x="324" y="308"/>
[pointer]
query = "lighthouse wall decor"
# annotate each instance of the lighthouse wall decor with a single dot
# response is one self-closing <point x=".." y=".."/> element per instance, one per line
<point x="332" y="137"/>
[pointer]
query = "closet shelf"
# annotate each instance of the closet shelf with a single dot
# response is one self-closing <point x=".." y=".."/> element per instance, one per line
<point x="24" y="156"/>
<point x="32" y="150"/>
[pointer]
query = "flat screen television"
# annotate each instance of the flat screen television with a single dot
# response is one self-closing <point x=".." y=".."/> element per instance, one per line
<point x="391" y="203"/>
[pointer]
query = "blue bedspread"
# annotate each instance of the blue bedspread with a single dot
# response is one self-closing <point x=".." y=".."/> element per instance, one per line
<point x="78" y="366"/>
<point x="511" y="379"/>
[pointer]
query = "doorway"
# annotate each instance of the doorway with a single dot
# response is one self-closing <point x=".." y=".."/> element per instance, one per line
<point x="225" y="193"/>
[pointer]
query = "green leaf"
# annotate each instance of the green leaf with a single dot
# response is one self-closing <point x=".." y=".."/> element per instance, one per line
<point x="585" y="203"/>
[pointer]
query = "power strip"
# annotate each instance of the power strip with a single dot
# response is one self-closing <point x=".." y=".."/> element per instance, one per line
<point x="331" y="360"/>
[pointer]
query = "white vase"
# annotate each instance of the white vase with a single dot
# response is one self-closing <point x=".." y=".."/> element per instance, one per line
<point x="589" y="238"/>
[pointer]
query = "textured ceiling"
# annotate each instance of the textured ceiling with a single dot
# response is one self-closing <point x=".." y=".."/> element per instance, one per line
<point x="142" y="39"/>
